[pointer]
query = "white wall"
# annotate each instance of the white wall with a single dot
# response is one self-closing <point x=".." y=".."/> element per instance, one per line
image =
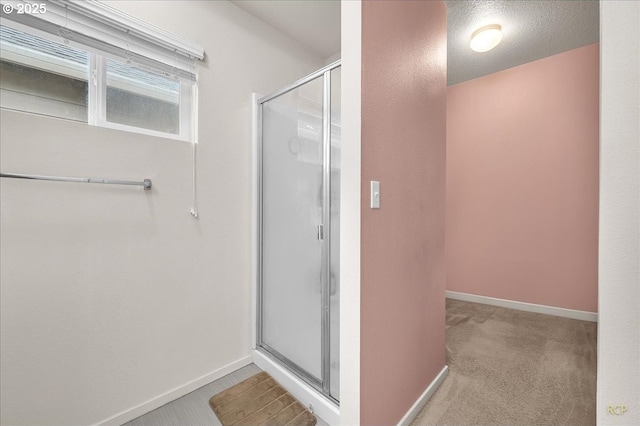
<point x="351" y="22"/>
<point x="619" y="251"/>
<point x="112" y="297"/>
<point x="331" y="59"/>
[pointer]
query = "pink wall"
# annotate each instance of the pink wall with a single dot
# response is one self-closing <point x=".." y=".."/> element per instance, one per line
<point x="403" y="146"/>
<point x="522" y="182"/>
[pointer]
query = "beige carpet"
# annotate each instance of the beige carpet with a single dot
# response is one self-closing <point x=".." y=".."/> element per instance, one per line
<point x="260" y="400"/>
<point x="514" y="368"/>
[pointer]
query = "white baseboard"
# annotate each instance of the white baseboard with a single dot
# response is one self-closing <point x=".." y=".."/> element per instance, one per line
<point x="422" y="400"/>
<point x="174" y="394"/>
<point x="523" y="306"/>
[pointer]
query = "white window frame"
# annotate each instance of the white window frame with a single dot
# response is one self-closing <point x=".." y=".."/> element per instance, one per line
<point x="97" y="103"/>
<point x="99" y="21"/>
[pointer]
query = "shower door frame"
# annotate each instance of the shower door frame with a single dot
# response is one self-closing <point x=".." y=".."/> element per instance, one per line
<point x="323" y="385"/>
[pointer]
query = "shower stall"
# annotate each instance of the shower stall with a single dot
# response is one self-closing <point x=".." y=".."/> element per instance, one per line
<point x="297" y="237"/>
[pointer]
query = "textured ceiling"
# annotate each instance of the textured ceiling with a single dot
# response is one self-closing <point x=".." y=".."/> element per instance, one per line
<point x="532" y="30"/>
<point x="314" y="23"/>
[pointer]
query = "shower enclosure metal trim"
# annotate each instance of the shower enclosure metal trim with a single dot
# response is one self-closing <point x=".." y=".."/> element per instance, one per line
<point x="324" y="234"/>
<point x="298" y="83"/>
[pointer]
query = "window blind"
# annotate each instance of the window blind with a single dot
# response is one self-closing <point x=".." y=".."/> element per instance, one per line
<point x="96" y="25"/>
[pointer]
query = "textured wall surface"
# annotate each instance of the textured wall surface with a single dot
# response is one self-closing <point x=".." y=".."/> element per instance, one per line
<point x="403" y="147"/>
<point x="522" y="182"/>
<point x="113" y="297"/>
<point x="619" y="266"/>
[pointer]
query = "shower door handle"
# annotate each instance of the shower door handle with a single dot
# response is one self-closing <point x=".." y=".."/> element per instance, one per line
<point x="320" y="232"/>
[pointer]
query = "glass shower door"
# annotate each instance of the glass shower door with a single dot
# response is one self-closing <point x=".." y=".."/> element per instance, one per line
<point x="292" y="215"/>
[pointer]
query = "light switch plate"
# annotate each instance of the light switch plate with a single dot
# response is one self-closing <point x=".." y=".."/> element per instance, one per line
<point x="375" y="194"/>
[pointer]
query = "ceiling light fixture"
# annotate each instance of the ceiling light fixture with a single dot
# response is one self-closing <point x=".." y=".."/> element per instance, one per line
<point x="486" y="38"/>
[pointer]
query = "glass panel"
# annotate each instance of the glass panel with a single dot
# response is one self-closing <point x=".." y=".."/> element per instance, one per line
<point x="291" y="211"/>
<point x="43" y="77"/>
<point x="139" y="98"/>
<point x="334" y="307"/>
